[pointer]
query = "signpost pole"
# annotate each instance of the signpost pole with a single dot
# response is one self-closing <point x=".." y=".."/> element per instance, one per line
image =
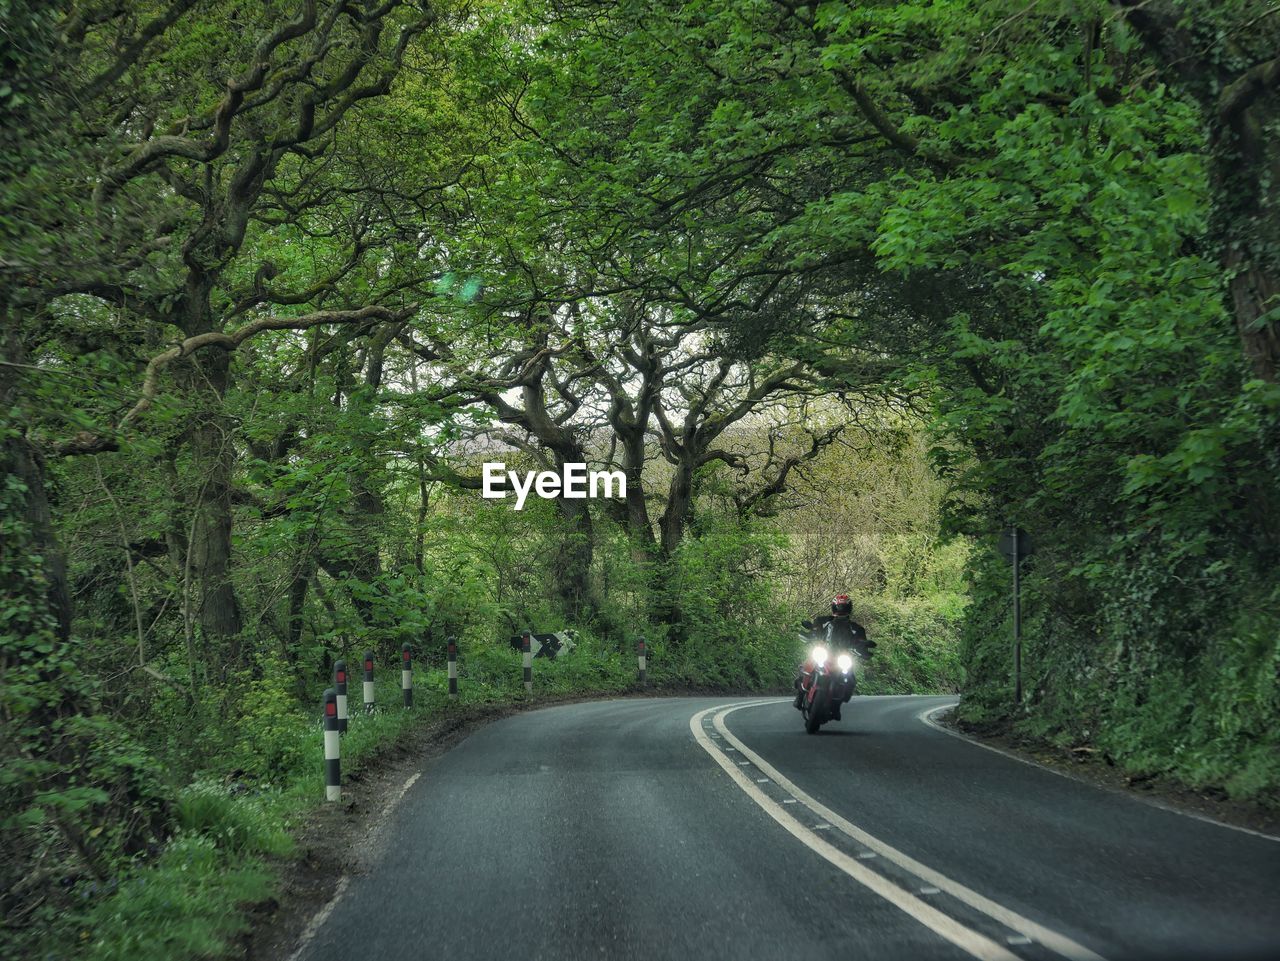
<point x="1017" y="624"/>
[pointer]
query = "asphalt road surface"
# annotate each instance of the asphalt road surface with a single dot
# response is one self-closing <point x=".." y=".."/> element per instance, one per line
<point x="691" y="828"/>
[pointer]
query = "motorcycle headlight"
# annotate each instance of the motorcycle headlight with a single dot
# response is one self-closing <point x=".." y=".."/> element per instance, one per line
<point x="845" y="663"/>
<point x="819" y="655"/>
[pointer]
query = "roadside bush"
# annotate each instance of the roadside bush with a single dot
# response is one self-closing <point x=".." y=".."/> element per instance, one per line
<point x="1154" y="677"/>
<point x="184" y="905"/>
<point x="268" y="742"/>
<point x="238" y="824"/>
<point x="917" y="645"/>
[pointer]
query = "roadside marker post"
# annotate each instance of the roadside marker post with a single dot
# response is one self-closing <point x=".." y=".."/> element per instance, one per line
<point x="641" y="654"/>
<point x="451" y="647"/>
<point x="526" y="647"/>
<point x="1015" y="544"/>
<point x="332" y="764"/>
<point x="406" y="675"/>
<point x="368" y="682"/>
<point x="340" y="686"/>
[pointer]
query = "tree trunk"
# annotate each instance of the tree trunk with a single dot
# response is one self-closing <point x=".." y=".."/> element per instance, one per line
<point x="574" y="557"/>
<point x="679" y="506"/>
<point x="302" y="575"/>
<point x="213" y="462"/>
<point x="1246" y="183"/>
<point x="639" y="527"/>
<point x="1237" y="84"/>
<point x="20" y="460"/>
<point x="673" y="522"/>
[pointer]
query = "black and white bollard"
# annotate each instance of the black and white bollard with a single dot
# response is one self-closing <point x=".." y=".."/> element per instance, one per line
<point x="340" y="685"/>
<point x="406" y="675"/>
<point x="640" y="653"/>
<point x="332" y="766"/>
<point x="526" y="648"/>
<point x="451" y="646"/>
<point x="368" y="682"/>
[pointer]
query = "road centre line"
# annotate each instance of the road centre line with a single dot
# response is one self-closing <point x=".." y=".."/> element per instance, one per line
<point x="969" y="941"/>
<point x="1058" y="943"/>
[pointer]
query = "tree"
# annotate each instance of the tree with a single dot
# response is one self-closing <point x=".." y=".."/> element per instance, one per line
<point x="1225" y="58"/>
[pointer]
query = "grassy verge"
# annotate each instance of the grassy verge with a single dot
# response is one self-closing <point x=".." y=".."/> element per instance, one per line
<point x="233" y="826"/>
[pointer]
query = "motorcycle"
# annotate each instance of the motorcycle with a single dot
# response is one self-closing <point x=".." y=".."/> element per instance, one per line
<point x="830" y="683"/>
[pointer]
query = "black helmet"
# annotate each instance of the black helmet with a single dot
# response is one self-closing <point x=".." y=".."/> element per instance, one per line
<point x="840" y="604"/>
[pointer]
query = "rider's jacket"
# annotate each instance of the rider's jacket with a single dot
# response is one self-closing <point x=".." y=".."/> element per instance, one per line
<point x="841" y="632"/>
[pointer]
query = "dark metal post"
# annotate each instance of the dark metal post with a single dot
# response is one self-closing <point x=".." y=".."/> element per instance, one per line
<point x="526" y="647"/>
<point x="640" y="652"/>
<point x="1017" y="623"/>
<point x="452" y="650"/>
<point x="332" y="764"/>
<point x="368" y="682"/>
<point x="406" y="674"/>
<point x="340" y="685"/>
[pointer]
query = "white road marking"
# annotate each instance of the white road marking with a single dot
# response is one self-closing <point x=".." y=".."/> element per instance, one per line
<point x="1058" y="943"/>
<point x="866" y="855"/>
<point x="321" y="917"/>
<point x="790" y="800"/>
<point x="929" y="890"/>
<point x="1017" y="939"/>
<point x="822" y="827"/>
<point x="973" y="943"/>
<point x="407" y="784"/>
<point x="762" y="780"/>
<point x="927" y="717"/>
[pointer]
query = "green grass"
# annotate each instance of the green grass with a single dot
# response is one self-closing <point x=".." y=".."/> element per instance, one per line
<point x="185" y="904"/>
<point x="232" y="826"/>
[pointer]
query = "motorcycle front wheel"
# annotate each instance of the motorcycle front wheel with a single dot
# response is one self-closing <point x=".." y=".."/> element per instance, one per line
<point x="816" y="712"/>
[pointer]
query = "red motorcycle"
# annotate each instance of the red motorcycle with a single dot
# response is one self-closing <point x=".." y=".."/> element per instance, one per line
<point x="826" y="683"/>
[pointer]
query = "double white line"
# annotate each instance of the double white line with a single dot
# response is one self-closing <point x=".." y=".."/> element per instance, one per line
<point x="972" y="942"/>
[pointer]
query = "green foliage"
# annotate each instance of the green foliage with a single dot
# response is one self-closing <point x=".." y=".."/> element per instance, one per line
<point x="268" y="743"/>
<point x="238" y="824"/>
<point x="186" y="905"/>
<point x="999" y="236"/>
<point x="917" y="645"/>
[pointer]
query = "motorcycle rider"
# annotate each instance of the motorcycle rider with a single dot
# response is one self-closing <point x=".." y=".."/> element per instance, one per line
<point x="839" y="631"/>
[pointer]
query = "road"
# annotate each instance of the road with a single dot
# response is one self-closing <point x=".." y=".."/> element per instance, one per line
<point x="691" y="828"/>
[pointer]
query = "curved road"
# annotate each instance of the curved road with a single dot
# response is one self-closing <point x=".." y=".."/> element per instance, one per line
<point x="715" y="828"/>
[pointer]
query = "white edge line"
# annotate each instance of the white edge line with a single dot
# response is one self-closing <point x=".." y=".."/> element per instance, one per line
<point x="927" y="717"/>
<point x="407" y="784"/>
<point x="972" y="942"/>
<point x="1054" y="941"/>
<point x="321" y="917"/>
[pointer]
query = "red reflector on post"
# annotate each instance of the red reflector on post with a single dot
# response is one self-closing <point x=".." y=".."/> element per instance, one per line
<point x="331" y="709"/>
<point x="406" y="656"/>
<point x="368" y="665"/>
<point x="342" y="677"/>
